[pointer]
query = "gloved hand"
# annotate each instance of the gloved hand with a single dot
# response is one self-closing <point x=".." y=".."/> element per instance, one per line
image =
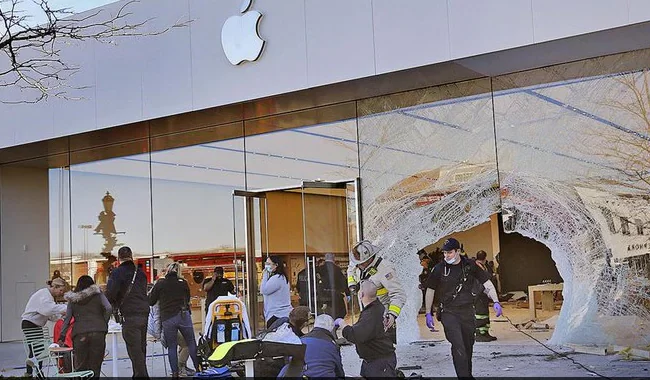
<point x="430" y="323"/>
<point x="349" y="298"/>
<point x="498" y="309"/>
<point x="353" y="288"/>
<point x="338" y="322"/>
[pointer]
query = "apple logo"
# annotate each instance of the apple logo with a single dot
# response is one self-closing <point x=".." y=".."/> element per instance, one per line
<point x="239" y="36"/>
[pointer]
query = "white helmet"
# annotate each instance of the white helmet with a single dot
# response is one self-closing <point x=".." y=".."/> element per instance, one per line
<point x="362" y="252"/>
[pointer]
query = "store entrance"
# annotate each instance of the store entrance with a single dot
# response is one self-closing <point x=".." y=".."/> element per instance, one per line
<point x="300" y="225"/>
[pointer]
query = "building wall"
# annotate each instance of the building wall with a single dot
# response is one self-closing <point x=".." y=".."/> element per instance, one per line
<point x="24" y="255"/>
<point x="309" y="43"/>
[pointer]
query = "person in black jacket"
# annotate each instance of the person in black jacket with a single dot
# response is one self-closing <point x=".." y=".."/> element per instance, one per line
<point x="91" y="311"/>
<point x="333" y="288"/>
<point x="173" y="292"/>
<point x="372" y="342"/>
<point x="127" y="292"/>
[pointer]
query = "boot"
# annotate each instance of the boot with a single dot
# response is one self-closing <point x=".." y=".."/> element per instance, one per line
<point x="483" y="338"/>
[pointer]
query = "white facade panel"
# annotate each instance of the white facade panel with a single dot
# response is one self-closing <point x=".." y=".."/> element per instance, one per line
<point x="339" y="40"/>
<point x="638" y="11"/>
<point x="78" y="114"/>
<point x="554" y="19"/>
<point x="31" y="122"/>
<point x="425" y="40"/>
<point x="282" y="66"/>
<point x="308" y="43"/>
<point x="167" y="74"/>
<point x="118" y="87"/>
<point x="477" y="27"/>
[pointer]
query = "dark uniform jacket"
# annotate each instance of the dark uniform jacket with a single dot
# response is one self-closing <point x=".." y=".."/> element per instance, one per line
<point x="446" y="278"/>
<point x="135" y="307"/>
<point x="368" y="334"/>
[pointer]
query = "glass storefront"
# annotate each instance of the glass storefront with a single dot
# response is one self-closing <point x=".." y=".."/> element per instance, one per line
<point x="560" y="152"/>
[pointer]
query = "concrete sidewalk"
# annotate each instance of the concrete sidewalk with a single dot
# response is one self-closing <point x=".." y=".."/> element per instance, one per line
<point x="512" y="355"/>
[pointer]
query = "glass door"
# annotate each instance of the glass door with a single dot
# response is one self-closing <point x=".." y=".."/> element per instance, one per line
<point x="331" y="219"/>
<point x="250" y="251"/>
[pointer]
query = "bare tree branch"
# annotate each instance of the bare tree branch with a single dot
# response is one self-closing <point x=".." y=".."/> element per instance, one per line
<point x="31" y="60"/>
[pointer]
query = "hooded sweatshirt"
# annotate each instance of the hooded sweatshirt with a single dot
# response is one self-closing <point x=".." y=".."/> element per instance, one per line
<point x="90" y="309"/>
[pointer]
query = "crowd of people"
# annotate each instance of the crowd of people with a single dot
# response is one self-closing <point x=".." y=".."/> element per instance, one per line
<point x="457" y="290"/>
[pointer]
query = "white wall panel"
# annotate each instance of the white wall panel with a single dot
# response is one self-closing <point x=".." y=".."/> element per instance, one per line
<point x="119" y="77"/>
<point x="425" y="40"/>
<point x="638" y="11"/>
<point x="281" y="67"/>
<point x="167" y="71"/>
<point x="31" y="122"/>
<point x="76" y="113"/>
<point x="477" y="27"/>
<point x="339" y="40"/>
<point x="309" y="43"/>
<point x="555" y="19"/>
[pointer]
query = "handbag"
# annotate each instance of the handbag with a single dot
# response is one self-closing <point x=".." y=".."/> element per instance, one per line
<point x="119" y="318"/>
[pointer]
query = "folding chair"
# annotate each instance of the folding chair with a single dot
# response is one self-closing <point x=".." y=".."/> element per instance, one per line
<point x="37" y="341"/>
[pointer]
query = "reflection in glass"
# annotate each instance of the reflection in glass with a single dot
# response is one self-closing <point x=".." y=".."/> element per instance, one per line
<point x="114" y="197"/>
<point x="59" y="204"/>
<point x="192" y="207"/>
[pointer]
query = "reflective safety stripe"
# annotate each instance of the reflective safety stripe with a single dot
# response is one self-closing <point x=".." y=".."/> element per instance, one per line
<point x="395" y="309"/>
<point x="351" y="280"/>
<point x="382" y="291"/>
<point x="481" y="316"/>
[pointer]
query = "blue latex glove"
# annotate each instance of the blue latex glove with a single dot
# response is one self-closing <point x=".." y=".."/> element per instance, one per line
<point x="430" y="323"/>
<point x="338" y="321"/>
<point x="498" y="309"/>
<point x="349" y="299"/>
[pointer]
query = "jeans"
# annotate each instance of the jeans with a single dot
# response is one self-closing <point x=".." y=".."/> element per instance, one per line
<point x="89" y="352"/>
<point x="180" y="322"/>
<point x="459" y="331"/>
<point x="382" y="367"/>
<point x="135" y="337"/>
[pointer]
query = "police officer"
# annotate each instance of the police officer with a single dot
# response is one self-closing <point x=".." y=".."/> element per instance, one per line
<point x="334" y="287"/>
<point x="366" y="265"/>
<point x="216" y="286"/>
<point x="458" y="280"/>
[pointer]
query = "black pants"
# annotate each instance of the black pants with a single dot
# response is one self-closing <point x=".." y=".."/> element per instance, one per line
<point x="459" y="331"/>
<point x="38" y="348"/>
<point x="135" y="337"/>
<point x="89" y="351"/>
<point x="383" y="367"/>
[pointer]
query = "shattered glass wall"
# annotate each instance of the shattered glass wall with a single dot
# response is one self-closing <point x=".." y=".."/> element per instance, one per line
<point x="435" y="143"/>
<point x="563" y="152"/>
<point x="574" y="161"/>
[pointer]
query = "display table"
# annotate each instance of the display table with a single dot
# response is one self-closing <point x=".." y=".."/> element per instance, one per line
<point x="547" y="291"/>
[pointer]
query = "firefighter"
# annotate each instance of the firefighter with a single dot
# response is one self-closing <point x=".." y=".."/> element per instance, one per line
<point x="364" y="265"/>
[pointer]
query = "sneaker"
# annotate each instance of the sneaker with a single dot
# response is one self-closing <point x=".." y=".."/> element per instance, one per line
<point x="31" y="362"/>
<point x="492" y="337"/>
